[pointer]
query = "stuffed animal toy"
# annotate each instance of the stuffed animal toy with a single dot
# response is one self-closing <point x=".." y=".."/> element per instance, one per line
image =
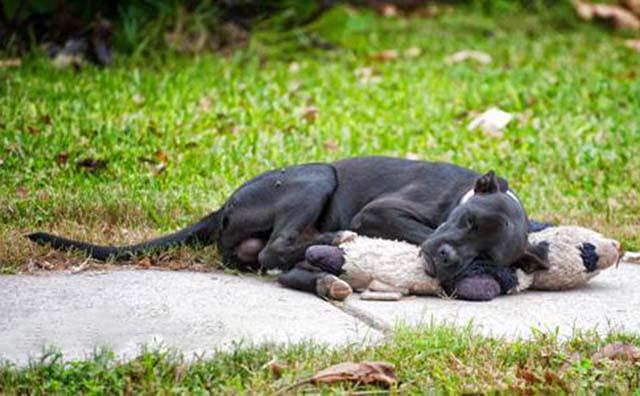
<point x="374" y="265"/>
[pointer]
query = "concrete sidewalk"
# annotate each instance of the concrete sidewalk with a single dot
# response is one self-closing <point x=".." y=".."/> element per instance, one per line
<point x="610" y="301"/>
<point x="191" y="312"/>
<point x="202" y="312"/>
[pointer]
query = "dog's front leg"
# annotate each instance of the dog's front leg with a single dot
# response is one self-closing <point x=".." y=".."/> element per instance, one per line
<point x="393" y="218"/>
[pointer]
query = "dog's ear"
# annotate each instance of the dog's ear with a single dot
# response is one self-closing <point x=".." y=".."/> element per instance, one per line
<point x="487" y="184"/>
<point x="535" y="258"/>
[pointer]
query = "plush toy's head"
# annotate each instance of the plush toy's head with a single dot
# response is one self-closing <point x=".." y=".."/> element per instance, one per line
<point x="575" y="254"/>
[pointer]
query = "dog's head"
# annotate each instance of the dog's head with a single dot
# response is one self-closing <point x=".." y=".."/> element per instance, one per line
<point x="488" y="225"/>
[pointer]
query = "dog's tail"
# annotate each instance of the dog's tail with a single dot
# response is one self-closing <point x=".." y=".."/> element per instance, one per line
<point x="204" y="232"/>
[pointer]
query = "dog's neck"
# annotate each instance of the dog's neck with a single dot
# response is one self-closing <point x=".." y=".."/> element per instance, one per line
<point x="467" y="196"/>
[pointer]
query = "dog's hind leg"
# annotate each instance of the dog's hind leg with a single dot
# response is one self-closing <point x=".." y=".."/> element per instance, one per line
<point x="294" y="228"/>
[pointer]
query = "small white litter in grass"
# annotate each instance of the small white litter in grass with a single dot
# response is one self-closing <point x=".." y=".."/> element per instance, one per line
<point x="491" y="122"/>
<point x="461" y="56"/>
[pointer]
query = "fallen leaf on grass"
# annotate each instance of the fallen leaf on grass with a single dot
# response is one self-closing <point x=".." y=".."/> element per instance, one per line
<point x="294" y="67"/>
<point x="367" y="75"/>
<point x="161" y="156"/>
<point x="138" y="99"/>
<point x="14" y="62"/>
<point x="276" y="369"/>
<point x="412" y="52"/>
<point x="633" y="6"/>
<point x="62" y="158"/>
<point x="385" y="55"/>
<point x="145" y="262"/>
<point x="389" y="10"/>
<point x="22" y="192"/>
<point x="309" y="114"/>
<point x="464" y="55"/>
<point x="619" y="17"/>
<point x="633" y="44"/>
<point x="33" y="130"/>
<point x="331" y="145"/>
<point x="205" y="103"/>
<point x="382" y="373"/>
<point x="91" y="164"/>
<point x="618" y="351"/>
<point x="491" y="122"/>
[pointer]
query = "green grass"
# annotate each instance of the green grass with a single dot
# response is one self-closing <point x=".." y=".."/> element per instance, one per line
<point x="571" y="154"/>
<point x="428" y="360"/>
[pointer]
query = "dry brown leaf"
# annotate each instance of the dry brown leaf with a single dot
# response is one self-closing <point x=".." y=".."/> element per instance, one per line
<point x="145" y="262"/>
<point x="618" y="351"/>
<point x="584" y="10"/>
<point x="14" y="62"/>
<point x="382" y="373"/>
<point x="62" y="158"/>
<point x="633" y="6"/>
<point x="386" y="55"/>
<point x="331" y="145"/>
<point x="389" y="10"/>
<point x="46" y="119"/>
<point x="309" y="114"/>
<point x="464" y="55"/>
<point x="276" y="368"/>
<point x="22" y="192"/>
<point x="161" y="156"/>
<point x="33" y="130"/>
<point x="619" y="17"/>
<point x="91" y="164"/>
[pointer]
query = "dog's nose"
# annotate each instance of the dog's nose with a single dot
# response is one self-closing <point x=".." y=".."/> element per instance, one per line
<point x="446" y="254"/>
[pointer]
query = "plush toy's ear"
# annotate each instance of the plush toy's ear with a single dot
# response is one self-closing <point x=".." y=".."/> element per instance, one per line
<point x="535" y="258"/>
<point x="487" y="184"/>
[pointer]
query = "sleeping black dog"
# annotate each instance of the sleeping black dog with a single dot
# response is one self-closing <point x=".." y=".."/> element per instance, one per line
<point x="457" y="216"/>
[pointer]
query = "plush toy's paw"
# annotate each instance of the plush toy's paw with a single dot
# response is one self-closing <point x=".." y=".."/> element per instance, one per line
<point x="327" y="258"/>
<point x="477" y="288"/>
<point x="333" y="288"/>
<point x="344" y="237"/>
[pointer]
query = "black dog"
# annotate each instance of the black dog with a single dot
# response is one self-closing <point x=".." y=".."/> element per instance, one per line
<point x="458" y="216"/>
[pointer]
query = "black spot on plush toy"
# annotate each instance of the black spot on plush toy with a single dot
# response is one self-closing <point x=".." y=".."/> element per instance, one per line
<point x="374" y="265"/>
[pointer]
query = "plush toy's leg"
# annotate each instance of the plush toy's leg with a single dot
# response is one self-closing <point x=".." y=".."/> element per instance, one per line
<point x="308" y="278"/>
<point x="326" y="258"/>
<point x="477" y="288"/>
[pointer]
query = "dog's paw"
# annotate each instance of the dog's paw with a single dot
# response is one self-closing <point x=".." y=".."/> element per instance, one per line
<point x="344" y="237"/>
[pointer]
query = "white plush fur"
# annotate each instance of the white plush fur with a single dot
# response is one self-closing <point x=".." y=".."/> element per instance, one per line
<point x="567" y="270"/>
<point x="385" y="265"/>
